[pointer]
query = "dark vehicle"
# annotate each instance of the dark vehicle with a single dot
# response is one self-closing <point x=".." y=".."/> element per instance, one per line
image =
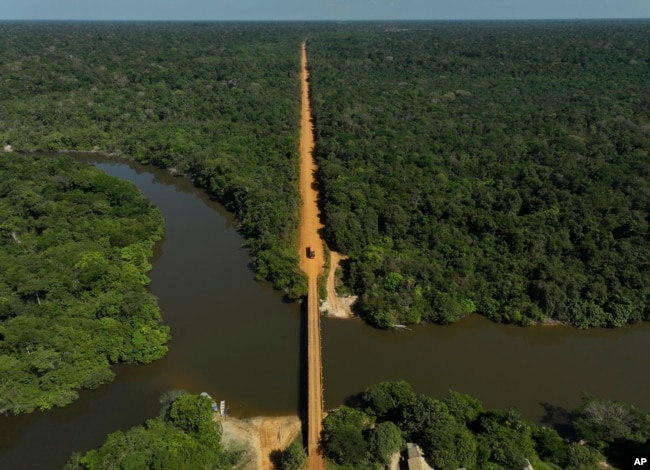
<point x="311" y="253"/>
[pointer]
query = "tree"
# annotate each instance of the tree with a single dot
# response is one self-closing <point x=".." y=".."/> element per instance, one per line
<point x="343" y="438"/>
<point x="192" y="414"/>
<point x="603" y="421"/>
<point x="549" y="445"/>
<point x="447" y="443"/>
<point x="294" y="457"/>
<point x="464" y="408"/>
<point x="505" y="439"/>
<point x="582" y="457"/>
<point x="620" y="311"/>
<point x="388" y="400"/>
<point x="384" y="440"/>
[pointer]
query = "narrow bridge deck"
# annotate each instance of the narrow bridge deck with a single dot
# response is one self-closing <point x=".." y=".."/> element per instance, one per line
<point x="315" y="378"/>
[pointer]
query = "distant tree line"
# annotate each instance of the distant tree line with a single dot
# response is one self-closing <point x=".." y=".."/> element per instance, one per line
<point x="74" y="250"/>
<point x="498" y="168"/>
<point x="457" y="432"/>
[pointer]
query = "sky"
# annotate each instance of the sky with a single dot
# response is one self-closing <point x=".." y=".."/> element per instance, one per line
<point x="220" y="10"/>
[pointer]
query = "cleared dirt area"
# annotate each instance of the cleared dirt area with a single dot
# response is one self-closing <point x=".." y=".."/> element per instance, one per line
<point x="336" y="306"/>
<point x="311" y="262"/>
<point x="258" y="437"/>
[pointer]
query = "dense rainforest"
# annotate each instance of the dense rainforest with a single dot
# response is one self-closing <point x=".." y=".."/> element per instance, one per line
<point x="217" y="102"/>
<point x="184" y="436"/>
<point x="457" y="432"/>
<point x="74" y="249"/>
<point x="501" y="168"/>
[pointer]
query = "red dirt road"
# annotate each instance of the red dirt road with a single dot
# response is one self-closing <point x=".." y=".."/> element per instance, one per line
<point x="309" y="237"/>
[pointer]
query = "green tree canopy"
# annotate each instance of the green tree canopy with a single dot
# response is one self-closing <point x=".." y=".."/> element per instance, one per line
<point x="457" y="432"/>
<point x="185" y="436"/>
<point x="499" y="169"/>
<point x="74" y="249"/>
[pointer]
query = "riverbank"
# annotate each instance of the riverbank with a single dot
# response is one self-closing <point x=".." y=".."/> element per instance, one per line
<point x="336" y="306"/>
<point x="258" y="437"/>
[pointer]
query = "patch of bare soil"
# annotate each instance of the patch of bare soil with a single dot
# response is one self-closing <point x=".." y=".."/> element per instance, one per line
<point x="334" y="305"/>
<point x="258" y="437"/>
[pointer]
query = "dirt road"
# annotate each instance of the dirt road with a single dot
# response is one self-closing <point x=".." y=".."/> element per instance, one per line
<point x="258" y="437"/>
<point x="310" y="239"/>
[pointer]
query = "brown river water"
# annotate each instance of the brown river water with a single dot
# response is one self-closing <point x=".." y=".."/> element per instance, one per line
<point x="236" y="339"/>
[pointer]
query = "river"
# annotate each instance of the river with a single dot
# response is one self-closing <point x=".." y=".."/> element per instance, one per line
<point x="236" y="339"/>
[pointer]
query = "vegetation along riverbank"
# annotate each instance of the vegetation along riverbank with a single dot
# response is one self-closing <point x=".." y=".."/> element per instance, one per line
<point x="73" y="260"/>
<point x="457" y="432"/>
<point x="374" y="428"/>
<point x="218" y="103"/>
<point x="495" y="168"/>
<point x="184" y="435"/>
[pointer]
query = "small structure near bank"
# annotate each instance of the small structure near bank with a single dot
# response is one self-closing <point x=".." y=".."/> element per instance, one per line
<point x="213" y="404"/>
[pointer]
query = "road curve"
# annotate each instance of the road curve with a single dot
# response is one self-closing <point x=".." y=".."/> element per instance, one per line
<point x="309" y="237"/>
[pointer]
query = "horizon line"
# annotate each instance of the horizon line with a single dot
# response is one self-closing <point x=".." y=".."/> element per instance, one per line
<point x="327" y="20"/>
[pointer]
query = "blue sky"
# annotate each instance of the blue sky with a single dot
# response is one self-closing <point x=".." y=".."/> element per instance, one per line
<point x="320" y="9"/>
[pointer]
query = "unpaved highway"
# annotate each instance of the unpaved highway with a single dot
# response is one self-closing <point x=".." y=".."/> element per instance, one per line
<point x="309" y="237"/>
